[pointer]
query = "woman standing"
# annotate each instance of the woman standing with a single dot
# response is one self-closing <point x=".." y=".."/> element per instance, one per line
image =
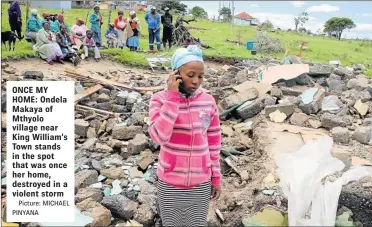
<point x="121" y="24"/>
<point x="78" y="33"/>
<point x="185" y="122"/>
<point x="46" y="45"/>
<point x="134" y="29"/>
<point x="96" y="24"/>
<point x="15" y="18"/>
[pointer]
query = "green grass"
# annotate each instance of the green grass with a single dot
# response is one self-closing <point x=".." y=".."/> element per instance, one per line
<point x="320" y="49"/>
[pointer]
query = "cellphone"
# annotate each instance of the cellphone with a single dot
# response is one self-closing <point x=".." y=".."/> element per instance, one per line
<point x="181" y="87"/>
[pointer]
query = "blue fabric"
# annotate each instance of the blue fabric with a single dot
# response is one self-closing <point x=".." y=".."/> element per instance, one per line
<point x="185" y="55"/>
<point x="152" y="37"/>
<point x="133" y="41"/>
<point x="94" y="23"/>
<point x="153" y="21"/>
<point x="108" y="31"/>
<point x="55" y="26"/>
<point x="97" y="37"/>
<point x="33" y="24"/>
<point x="44" y="21"/>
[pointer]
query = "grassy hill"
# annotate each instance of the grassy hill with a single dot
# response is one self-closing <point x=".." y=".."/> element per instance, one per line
<point x="214" y="34"/>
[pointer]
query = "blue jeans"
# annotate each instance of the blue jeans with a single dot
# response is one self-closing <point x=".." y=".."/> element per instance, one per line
<point x="97" y="37"/>
<point x="153" y="36"/>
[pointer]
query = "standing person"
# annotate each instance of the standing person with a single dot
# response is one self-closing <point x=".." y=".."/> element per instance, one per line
<point x="112" y="36"/>
<point x="184" y="121"/>
<point x="46" y="45"/>
<point x="134" y="28"/>
<point x="121" y="25"/>
<point x="90" y="46"/>
<point x="64" y="42"/>
<point x="33" y="26"/>
<point x="167" y="20"/>
<point x="78" y="33"/>
<point x="96" y="24"/>
<point x="15" y="18"/>
<point x="60" y="22"/>
<point x="153" y="21"/>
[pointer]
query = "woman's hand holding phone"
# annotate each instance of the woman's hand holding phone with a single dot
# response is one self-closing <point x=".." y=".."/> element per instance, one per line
<point x="174" y="81"/>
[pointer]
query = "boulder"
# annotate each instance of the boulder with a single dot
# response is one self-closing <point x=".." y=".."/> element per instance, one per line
<point x="239" y="98"/>
<point x="101" y="216"/>
<point x="120" y="206"/>
<point x="124" y="132"/>
<point x="85" y="178"/>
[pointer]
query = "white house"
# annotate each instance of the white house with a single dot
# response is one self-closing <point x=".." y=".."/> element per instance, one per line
<point x="244" y="18"/>
<point x="61" y="5"/>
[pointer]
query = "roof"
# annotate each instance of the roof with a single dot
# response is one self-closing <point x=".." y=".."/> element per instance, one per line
<point x="243" y="15"/>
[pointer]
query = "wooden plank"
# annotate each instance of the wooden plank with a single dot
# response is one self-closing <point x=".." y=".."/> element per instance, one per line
<point x="87" y="92"/>
<point x="101" y="80"/>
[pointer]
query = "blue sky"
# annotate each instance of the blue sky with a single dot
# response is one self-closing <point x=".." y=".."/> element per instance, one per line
<point x="281" y="13"/>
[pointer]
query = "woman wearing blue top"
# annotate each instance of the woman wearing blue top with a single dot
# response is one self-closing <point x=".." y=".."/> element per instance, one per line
<point x="96" y="24"/>
<point x="153" y="20"/>
<point x="33" y="26"/>
<point x="60" y="22"/>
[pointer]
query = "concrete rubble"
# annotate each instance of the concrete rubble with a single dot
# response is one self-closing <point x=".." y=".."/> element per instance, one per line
<point x="116" y="160"/>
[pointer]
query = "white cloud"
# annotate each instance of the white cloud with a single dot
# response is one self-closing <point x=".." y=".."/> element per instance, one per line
<point x="367" y="15"/>
<point x="253" y="5"/>
<point x="297" y="3"/>
<point x="324" y="8"/>
<point x="363" y="27"/>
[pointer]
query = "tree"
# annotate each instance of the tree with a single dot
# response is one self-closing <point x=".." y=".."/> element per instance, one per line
<point x="336" y="25"/>
<point x="225" y="12"/>
<point x="173" y="5"/>
<point x="267" y="26"/>
<point x="302" y="30"/>
<point x="301" y="19"/>
<point x="197" y="11"/>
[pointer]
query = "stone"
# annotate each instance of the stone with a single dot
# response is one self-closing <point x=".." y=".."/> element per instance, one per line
<point x="276" y="92"/>
<point x="250" y="109"/>
<point x="267" y="217"/>
<point x="277" y="116"/>
<point x="239" y="98"/>
<point x="113" y="143"/>
<point x="114" y="172"/>
<point x="85" y="178"/>
<point x="123" y="132"/>
<point x="244" y="175"/>
<point x="363" y="134"/>
<point x="3" y="120"/>
<point x="111" y="122"/>
<point x="364" y="96"/>
<point x="100" y="147"/>
<point x="358" y="84"/>
<point x="120" y="206"/>
<point x="145" y="215"/>
<point x="135" y="173"/>
<point x="10" y="70"/>
<point x="138" y="144"/>
<point x="336" y="86"/>
<point x="291" y="91"/>
<point x="101" y="216"/>
<point x="358" y="199"/>
<point x="103" y="98"/>
<point x="299" y="119"/>
<point x="340" y="135"/>
<point x="103" y="106"/>
<point x="361" y="107"/>
<point x="269" y="100"/>
<point x="224" y="81"/>
<point x="315" y="105"/>
<point x="116" y="188"/>
<point x="81" y="127"/>
<point x="286" y="108"/>
<point x="367" y="122"/>
<point x="359" y="161"/>
<point x="320" y="69"/>
<point x="85" y="193"/>
<point x="144" y="162"/>
<point x="33" y="75"/>
<point x="227" y="131"/>
<point x="330" y="121"/>
<point x="303" y="79"/>
<point x="89" y="144"/>
<point x="91" y="132"/>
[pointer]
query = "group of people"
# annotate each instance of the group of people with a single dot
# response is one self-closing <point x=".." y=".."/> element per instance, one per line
<point x="154" y="20"/>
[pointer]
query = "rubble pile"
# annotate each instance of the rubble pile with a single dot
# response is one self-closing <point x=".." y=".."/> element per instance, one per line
<point x="116" y="160"/>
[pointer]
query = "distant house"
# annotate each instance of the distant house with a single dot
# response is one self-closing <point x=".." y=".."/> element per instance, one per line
<point x="62" y="5"/>
<point x="244" y="18"/>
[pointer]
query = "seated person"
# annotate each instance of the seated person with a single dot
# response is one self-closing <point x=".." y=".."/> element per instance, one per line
<point x="46" y="17"/>
<point x="64" y="42"/>
<point x="78" y="33"/>
<point x="46" y="45"/>
<point x="60" y="22"/>
<point x="112" y="36"/>
<point x="89" y="45"/>
<point x="32" y="27"/>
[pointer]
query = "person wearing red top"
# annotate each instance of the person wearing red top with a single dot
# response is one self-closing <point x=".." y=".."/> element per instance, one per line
<point x="120" y="24"/>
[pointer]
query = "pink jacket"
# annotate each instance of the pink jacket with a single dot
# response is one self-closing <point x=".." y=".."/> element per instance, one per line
<point x="188" y="131"/>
